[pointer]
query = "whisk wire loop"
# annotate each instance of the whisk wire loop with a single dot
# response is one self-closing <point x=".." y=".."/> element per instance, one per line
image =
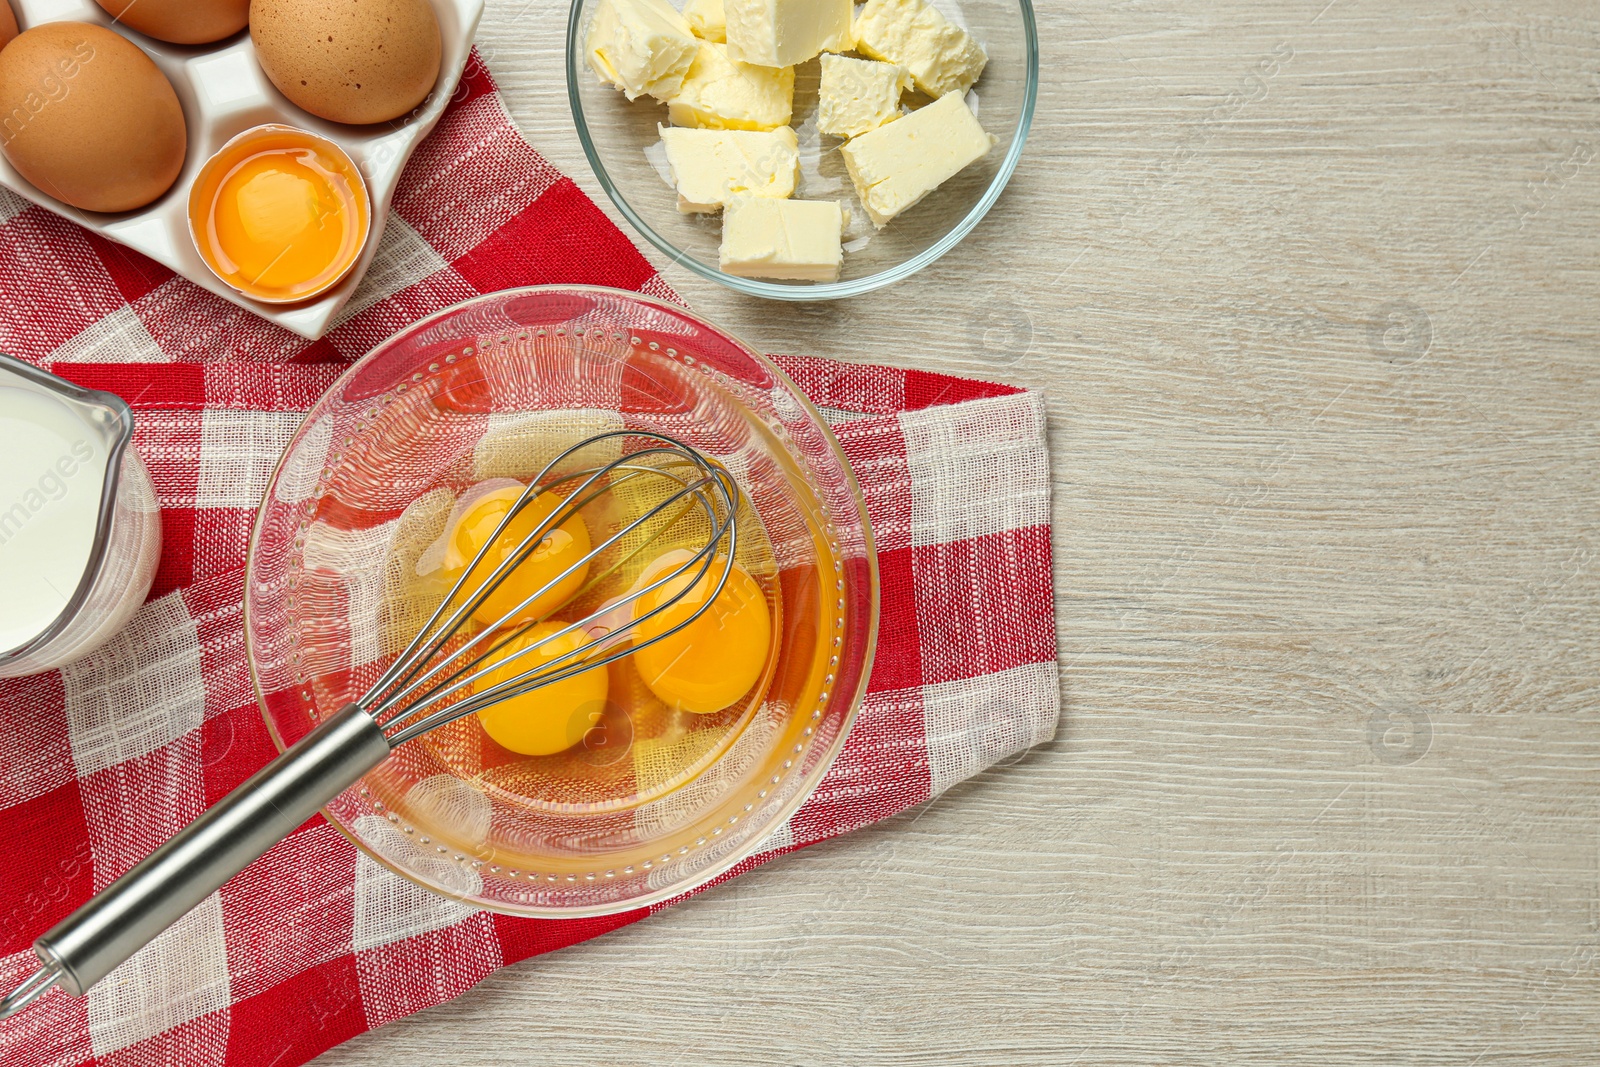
<point x="406" y="700"/>
<point x="409" y="661"/>
<point x="460" y="679"/>
<point x="410" y="682"/>
<point x="587" y="656"/>
<point x="35" y="986"/>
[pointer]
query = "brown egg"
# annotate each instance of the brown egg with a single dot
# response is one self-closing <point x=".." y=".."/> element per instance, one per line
<point x="181" y="21"/>
<point x="88" y="118"/>
<point x="358" y="61"/>
<point x="8" y="24"/>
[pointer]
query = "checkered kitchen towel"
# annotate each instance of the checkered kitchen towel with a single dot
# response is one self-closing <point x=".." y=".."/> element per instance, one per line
<point x="314" y="943"/>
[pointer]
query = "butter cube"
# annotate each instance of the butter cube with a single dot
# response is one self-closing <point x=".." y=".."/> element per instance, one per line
<point x="941" y="56"/>
<point x="707" y="20"/>
<point x="796" y="240"/>
<point x="722" y="94"/>
<point x="859" y="95"/>
<point x="782" y="33"/>
<point x="712" y="167"/>
<point x="640" y="46"/>
<point x="897" y="165"/>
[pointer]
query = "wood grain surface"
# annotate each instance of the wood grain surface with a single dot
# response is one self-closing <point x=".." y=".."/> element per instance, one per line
<point x="1312" y="288"/>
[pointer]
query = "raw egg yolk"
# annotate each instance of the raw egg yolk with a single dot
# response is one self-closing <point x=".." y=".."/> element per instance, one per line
<point x="280" y="218"/>
<point x="560" y="548"/>
<point x="551" y="719"/>
<point x="714" y="660"/>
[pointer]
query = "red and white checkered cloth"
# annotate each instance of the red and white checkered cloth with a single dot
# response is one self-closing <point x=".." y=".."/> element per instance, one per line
<point x="314" y="943"/>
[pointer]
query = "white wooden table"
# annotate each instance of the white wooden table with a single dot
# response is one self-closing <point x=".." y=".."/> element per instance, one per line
<point x="1320" y="351"/>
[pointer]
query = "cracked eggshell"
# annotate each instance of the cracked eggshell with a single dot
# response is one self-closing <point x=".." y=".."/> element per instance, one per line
<point x="354" y="61"/>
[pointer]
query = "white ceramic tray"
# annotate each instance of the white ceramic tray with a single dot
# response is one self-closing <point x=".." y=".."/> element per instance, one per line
<point x="224" y="92"/>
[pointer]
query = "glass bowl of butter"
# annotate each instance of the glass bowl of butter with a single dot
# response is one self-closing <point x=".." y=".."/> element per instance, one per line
<point x="803" y="149"/>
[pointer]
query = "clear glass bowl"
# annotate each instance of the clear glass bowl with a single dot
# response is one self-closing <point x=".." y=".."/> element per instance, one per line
<point x="653" y="802"/>
<point x="616" y="132"/>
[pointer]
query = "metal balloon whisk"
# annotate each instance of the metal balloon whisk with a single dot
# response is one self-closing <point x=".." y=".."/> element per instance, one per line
<point x="439" y="678"/>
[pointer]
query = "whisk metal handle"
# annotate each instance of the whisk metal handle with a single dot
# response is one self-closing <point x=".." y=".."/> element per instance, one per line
<point x="88" y="944"/>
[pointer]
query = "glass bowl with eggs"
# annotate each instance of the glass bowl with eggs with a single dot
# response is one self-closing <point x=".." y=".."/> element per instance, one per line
<point x="803" y="149"/>
<point x="629" y="783"/>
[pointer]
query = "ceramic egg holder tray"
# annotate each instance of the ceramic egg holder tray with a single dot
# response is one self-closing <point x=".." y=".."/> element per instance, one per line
<point x="225" y="92"/>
